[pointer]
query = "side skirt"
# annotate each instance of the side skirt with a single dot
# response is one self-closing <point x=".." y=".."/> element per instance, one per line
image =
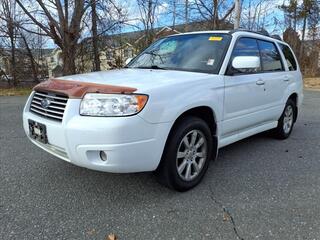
<point x="246" y="133"/>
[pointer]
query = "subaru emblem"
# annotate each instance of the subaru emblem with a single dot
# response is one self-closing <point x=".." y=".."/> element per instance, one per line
<point x="45" y="103"/>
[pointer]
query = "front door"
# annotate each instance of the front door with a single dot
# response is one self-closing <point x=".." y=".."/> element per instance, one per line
<point x="245" y="92"/>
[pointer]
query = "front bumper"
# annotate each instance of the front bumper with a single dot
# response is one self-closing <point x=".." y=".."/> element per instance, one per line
<point x="131" y="143"/>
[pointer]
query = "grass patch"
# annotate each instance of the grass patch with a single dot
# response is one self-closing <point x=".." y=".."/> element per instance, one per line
<point x="15" y="91"/>
<point x="313" y="83"/>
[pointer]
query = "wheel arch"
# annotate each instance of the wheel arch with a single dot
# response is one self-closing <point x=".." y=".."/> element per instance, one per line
<point x="207" y="114"/>
<point x="294" y="98"/>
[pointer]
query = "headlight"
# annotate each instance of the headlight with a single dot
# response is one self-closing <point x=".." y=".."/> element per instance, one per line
<point x="110" y="105"/>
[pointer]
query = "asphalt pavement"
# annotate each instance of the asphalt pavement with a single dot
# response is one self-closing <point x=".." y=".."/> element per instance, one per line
<point x="258" y="188"/>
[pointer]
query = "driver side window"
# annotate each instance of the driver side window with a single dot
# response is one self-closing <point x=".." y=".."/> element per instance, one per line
<point x="244" y="47"/>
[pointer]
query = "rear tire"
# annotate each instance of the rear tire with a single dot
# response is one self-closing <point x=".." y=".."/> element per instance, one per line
<point x="286" y="121"/>
<point x="187" y="154"/>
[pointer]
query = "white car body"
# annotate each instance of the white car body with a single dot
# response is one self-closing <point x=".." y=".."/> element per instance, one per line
<point x="241" y="107"/>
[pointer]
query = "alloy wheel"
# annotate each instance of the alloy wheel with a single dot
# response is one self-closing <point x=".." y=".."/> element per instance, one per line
<point x="288" y="119"/>
<point x="191" y="155"/>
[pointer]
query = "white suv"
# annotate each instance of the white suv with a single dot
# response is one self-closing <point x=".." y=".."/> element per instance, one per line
<point x="172" y="107"/>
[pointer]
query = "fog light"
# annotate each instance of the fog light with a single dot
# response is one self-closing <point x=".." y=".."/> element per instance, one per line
<point x="103" y="156"/>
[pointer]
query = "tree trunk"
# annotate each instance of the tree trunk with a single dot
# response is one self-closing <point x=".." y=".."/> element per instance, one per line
<point x="13" y="62"/>
<point x="186" y="26"/>
<point x="96" y="58"/>
<point x="303" y="35"/>
<point x="215" y="15"/>
<point x="65" y="32"/>
<point x="295" y="17"/>
<point x="237" y="14"/>
<point x="68" y="58"/>
<point x="11" y="33"/>
<point x="249" y="16"/>
<point x="174" y="14"/>
<point x="150" y="17"/>
<point x="32" y="61"/>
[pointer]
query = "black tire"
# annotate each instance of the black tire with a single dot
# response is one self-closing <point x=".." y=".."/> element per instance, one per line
<point x="279" y="132"/>
<point x="167" y="171"/>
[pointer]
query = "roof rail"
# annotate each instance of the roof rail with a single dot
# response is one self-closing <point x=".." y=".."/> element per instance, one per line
<point x="276" y="37"/>
<point x="261" y="32"/>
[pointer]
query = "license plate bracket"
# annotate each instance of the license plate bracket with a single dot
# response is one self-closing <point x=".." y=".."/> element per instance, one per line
<point x="38" y="131"/>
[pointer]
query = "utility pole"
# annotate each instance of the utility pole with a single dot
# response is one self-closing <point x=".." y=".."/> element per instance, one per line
<point x="237" y="8"/>
<point x="174" y="15"/>
<point x="186" y="16"/>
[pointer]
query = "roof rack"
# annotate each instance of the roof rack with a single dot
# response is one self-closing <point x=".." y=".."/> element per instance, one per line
<point x="261" y="32"/>
<point x="275" y="36"/>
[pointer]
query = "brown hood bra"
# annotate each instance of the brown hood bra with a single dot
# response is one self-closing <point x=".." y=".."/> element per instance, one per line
<point x="77" y="89"/>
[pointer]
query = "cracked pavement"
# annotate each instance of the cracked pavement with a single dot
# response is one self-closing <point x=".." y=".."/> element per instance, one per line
<point x="258" y="188"/>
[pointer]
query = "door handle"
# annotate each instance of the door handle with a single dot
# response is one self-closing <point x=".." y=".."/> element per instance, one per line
<point x="286" y="78"/>
<point x="260" y="82"/>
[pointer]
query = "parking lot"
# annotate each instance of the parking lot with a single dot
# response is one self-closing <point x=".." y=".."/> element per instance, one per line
<point x="259" y="188"/>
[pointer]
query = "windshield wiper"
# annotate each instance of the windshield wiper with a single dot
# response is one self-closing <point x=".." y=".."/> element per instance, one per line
<point x="152" y="67"/>
<point x="157" y="67"/>
<point x="152" y="53"/>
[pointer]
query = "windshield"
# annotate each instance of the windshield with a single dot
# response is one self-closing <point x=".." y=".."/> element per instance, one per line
<point x="191" y="52"/>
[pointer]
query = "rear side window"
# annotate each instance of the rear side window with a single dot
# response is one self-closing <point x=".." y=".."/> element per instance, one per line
<point x="292" y="64"/>
<point x="270" y="57"/>
<point x="244" y="47"/>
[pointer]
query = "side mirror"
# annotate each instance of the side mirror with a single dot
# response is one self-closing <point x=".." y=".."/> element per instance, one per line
<point x="128" y="61"/>
<point x="246" y="62"/>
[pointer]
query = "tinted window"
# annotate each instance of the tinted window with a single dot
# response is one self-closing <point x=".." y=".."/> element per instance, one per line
<point x="244" y="47"/>
<point x="270" y="57"/>
<point x="292" y="65"/>
<point x="190" y="52"/>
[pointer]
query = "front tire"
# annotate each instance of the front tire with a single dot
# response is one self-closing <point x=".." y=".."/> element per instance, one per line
<point x="286" y="121"/>
<point x="187" y="154"/>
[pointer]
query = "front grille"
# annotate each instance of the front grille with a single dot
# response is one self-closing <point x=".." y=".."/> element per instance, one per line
<point x="49" y="105"/>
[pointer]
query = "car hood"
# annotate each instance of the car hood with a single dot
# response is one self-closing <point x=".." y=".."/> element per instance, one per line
<point x="141" y="79"/>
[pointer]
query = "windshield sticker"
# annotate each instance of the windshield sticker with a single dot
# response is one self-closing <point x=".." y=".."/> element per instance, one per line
<point x="210" y="62"/>
<point x="215" y="38"/>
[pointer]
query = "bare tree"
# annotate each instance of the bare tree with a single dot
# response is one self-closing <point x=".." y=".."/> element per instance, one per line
<point x="96" y="59"/>
<point x="186" y="15"/>
<point x="9" y="31"/>
<point x="305" y="12"/>
<point x="103" y="18"/>
<point x="292" y="37"/>
<point x="174" y="13"/>
<point x="313" y="21"/>
<point x="237" y="14"/>
<point x="109" y="17"/>
<point x="179" y="11"/>
<point x="255" y="15"/>
<point x="291" y="12"/>
<point x="25" y="44"/>
<point x="147" y="9"/>
<point x="61" y="21"/>
<point x="214" y="11"/>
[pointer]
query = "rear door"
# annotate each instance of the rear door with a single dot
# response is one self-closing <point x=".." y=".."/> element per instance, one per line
<point x="275" y="78"/>
<point x="292" y="68"/>
<point x="245" y="93"/>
